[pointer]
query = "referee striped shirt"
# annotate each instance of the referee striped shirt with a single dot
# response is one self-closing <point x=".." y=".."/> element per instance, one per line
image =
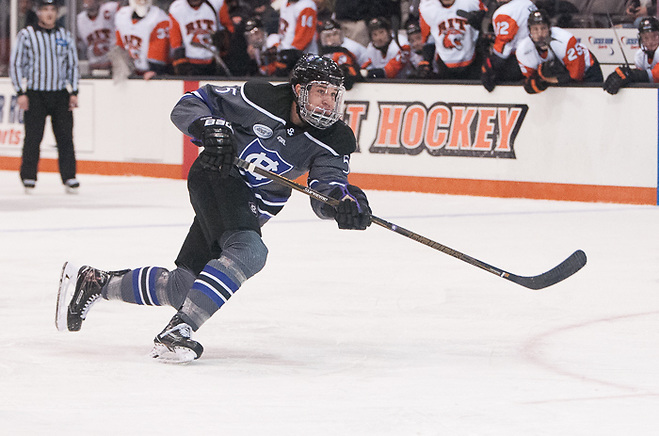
<point x="44" y="60"/>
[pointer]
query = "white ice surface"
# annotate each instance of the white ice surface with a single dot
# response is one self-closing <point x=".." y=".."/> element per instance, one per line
<point x="342" y="333"/>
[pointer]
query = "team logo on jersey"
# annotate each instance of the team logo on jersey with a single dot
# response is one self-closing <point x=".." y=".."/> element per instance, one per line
<point x="453" y="39"/>
<point x="262" y="131"/>
<point x="270" y="160"/>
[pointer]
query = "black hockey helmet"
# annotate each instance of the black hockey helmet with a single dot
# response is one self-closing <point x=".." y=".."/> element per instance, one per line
<point x="330" y="34"/>
<point x="329" y="24"/>
<point x="316" y="68"/>
<point x="312" y="70"/>
<point x="539" y="16"/>
<point x="253" y="23"/>
<point x="378" y="23"/>
<point x="42" y="3"/>
<point x="647" y="25"/>
<point x="412" y="26"/>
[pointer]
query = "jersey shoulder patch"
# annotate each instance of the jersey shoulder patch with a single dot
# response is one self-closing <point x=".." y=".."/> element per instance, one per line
<point x="276" y="99"/>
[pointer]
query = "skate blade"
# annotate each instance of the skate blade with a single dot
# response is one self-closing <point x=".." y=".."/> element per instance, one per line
<point x="179" y="355"/>
<point x="68" y="277"/>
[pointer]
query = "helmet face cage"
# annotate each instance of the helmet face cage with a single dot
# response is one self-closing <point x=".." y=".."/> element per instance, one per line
<point x="648" y="34"/>
<point x="318" y="116"/>
<point x="320" y="79"/>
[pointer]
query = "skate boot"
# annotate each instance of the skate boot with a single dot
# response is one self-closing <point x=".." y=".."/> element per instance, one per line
<point x="174" y="345"/>
<point x="88" y="284"/>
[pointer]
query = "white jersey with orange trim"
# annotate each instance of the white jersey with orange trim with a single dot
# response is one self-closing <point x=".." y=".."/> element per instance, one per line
<point x="297" y="26"/>
<point x="358" y="50"/>
<point x="146" y="39"/>
<point x="455" y="39"/>
<point x="642" y="61"/>
<point x="96" y="35"/>
<point x="190" y="25"/>
<point x="394" y="61"/>
<point x="576" y="58"/>
<point x="510" y="22"/>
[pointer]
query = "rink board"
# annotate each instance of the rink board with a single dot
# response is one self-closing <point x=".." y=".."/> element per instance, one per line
<point x="567" y="143"/>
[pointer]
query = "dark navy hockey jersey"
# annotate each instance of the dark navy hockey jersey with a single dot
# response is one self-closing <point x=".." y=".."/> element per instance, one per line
<point x="260" y="116"/>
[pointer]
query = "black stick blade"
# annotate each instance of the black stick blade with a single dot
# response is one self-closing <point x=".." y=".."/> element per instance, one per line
<point x="565" y="269"/>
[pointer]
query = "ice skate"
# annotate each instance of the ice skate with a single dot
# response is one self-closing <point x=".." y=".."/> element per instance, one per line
<point x="88" y="284"/>
<point x="173" y="344"/>
<point x="71" y="186"/>
<point x="28" y="185"/>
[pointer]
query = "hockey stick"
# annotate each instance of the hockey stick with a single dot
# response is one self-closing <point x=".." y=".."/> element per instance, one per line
<point x="215" y="53"/>
<point x="615" y="33"/>
<point x="565" y="269"/>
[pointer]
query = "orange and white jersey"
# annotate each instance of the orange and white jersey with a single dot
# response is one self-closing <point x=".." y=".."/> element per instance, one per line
<point x="297" y="26"/>
<point x="96" y="35"/>
<point x="190" y="25"/>
<point x="455" y="39"/>
<point x="510" y="22"/>
<point x="642" y="62"/>
<point x="576" y="58"/>
<point x="394" y="61"/>
<point x="145" y="40"/>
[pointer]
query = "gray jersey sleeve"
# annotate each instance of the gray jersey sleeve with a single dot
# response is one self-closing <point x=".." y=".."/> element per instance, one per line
<point x="327" y="172"/>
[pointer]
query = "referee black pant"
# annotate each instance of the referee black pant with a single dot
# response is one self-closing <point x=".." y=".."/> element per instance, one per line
<point x="42" y="104"/>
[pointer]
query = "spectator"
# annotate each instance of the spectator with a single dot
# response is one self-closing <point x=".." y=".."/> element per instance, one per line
<point x="510" y="27"/>
<point x="551" y="55"/>
<point x="200" y="36"/>
<point x="143" y="32"/>
<point x="386" y="56"/>
<point x="43" y="64"/>
<point x="354" y="14"/>
<point x="646" y="59"/>
<point x="455" y="27"/>
<point x="95" y="27"/>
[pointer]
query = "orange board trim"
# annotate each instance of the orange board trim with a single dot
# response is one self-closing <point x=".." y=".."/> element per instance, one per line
<point x="434" y="185"/>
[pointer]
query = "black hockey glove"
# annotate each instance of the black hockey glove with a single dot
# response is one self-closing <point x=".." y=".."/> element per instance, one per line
<point x="474" y="18"/>
<point x="622" y="76"/>
<point x="376" y="73"/>
<point x="353" y="212"/>
<point x="488" y="75"/>
<point x="534" y="84"/>
<point x="216" y="136"/>
<point x="554" y="69"/>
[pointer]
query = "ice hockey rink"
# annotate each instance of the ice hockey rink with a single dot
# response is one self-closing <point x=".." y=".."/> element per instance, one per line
<point x="342" y="333"/>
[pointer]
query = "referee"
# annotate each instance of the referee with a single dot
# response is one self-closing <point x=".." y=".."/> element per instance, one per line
<point x="44" y="72"/>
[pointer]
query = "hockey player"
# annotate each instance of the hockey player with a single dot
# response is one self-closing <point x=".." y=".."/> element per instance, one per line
<point x="386" y="56"/>
<point x="455" y="35"/>
<point x="290" y="129"/>
<point x="646" y="59"/>
<point x="143" y="31"/>
<point x="551" y="55"/>
<point x="510" y="22"/>
<point x="198" y="29"/>
<point x="95" y="28"/>
<point x="419" y="66"/>
<point x="348" y="54"/>
<point x="297" y="31"/>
